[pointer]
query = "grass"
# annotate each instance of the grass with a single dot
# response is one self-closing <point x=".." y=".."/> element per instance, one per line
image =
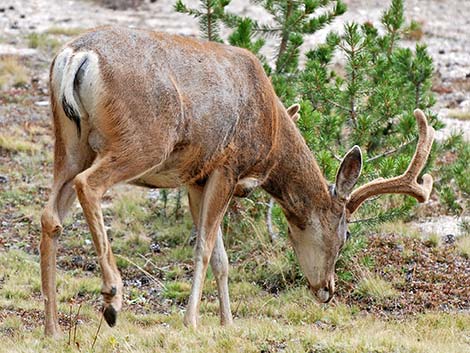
<point x="13" y="144"/>
<point x="65" y="31"/>
<point x="463" y="245"/>
<point x="165" y="333"/>
<point x="43" y="41"/>
<point x="433" y="240"/>
<point x="375" y="288"/>
<point x="398" y="227"/>
<point x="290" y="321"/>
<point x="178" y="291"/>
<point x="414" y="31"/>
<point x="459" y="115"/>
<point x="12" y="72"/>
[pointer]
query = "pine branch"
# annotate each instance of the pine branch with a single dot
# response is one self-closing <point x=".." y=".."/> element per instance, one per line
<point x="386" y="216"/>
<point x="284" y="36"/>
<point x="337" y="105"/>
<point x="392" y="151"/>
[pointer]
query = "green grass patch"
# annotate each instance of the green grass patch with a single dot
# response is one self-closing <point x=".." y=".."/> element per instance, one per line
<point x="178" y="291"/>
<point x="376" y="288"/>
<point x="43" y="41"/>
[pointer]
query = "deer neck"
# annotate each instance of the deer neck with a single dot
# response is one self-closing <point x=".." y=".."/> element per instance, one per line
<point x="296" y="181"/>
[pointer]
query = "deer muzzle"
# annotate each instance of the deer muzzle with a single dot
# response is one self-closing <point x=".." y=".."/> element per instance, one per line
<point x="324" y="293"/>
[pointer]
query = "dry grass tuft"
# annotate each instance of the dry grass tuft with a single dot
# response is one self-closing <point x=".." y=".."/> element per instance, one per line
<point x="376" y="288"/>
<point x="15" y="144"/>
<point x="399" y="227"/>
<point x="459" y="115"/>
<point x="65" y="31"/>
<point x="414" y="31"/>
<point x="433" y="240"/>
<point x="463" y="246"/>
<point x="12" y="72"/>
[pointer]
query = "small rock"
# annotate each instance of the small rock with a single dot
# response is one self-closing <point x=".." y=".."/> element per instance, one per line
<point x="77" y="261"/>
<point x="449" y="239"/>
<point x="409" y="276"/>
<point x="22" y="16"/>
<point x="144" y="280"/>
<point x="11" y="7"/>
<point x="442" y="51"/>
<point x="153" y="194"/>
<point x="154" y="292"/>
<point x="90" y="266"/>
<point x="155" y="247"/>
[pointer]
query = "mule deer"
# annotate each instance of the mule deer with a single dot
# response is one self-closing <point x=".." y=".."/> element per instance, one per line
<point x="163" y="111"/>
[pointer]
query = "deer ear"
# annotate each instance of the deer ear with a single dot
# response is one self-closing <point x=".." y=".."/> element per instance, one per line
<point x="348" y="173"/>
<point x="293" y="112"/>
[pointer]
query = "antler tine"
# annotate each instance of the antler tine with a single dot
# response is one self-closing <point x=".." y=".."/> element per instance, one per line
<point x="406" y="183"/>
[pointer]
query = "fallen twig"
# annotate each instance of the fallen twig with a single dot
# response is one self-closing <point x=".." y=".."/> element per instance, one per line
<point x="97" y="331"/>
<point x="152" y="277"/>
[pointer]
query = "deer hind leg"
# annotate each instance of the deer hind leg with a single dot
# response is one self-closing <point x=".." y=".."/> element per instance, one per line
<point x="219" y="264"/>
<point x="90" y="186"/>
<point x="60" y="200"/>
<point x="51" y="221"/>
<point x="215" y="199"/>
<point x="219" y="260"/>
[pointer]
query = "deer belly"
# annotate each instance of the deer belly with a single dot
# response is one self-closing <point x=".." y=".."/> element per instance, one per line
<point x="162" y="179"/>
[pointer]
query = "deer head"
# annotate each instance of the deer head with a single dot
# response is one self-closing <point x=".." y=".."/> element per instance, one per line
<point x="319" y="241"/>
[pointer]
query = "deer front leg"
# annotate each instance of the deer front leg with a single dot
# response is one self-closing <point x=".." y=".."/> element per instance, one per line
<point x="215" y="199"/>
<point x="90" y="188"/>
<point x="219" y="260"/>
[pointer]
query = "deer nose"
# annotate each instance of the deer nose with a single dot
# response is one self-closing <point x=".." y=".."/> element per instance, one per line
<point x="325" y="294"/>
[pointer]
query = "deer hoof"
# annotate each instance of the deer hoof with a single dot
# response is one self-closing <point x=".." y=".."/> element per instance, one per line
<point x="110" y="315"/>
<point x="190" y="321"/>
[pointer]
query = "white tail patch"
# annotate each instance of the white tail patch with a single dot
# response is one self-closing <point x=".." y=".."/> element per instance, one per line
<point x="69" y="88"/>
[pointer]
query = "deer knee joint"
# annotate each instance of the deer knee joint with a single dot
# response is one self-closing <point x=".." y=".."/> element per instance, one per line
<point x="50" y="224"/>
<point x="80" y="184"/>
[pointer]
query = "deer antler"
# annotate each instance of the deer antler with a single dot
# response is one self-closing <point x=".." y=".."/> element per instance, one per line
<point x="406" y="183"/>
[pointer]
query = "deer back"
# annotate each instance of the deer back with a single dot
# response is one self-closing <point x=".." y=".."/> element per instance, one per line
<point x="210" y="103"/>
